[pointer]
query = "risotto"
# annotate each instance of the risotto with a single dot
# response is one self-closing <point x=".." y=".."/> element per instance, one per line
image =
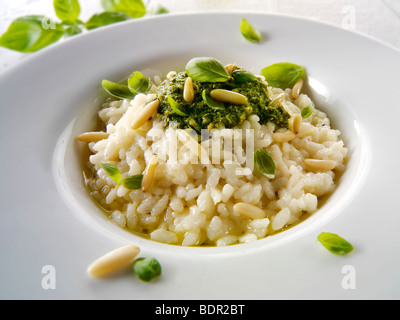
<point x="196" y="161"/>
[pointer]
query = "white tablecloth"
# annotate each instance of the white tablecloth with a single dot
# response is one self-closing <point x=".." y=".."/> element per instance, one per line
<point x="379" y="19"/>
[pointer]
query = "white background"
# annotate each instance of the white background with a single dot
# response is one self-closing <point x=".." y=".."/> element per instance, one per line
<point x="379" y="19"/>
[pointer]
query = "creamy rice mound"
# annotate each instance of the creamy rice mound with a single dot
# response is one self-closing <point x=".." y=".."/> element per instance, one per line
<point x="191" y="204"/>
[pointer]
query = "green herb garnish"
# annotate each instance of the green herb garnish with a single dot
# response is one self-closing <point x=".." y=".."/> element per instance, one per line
<point x="118" y="90"/>
<point x="67" y="10"/>
<point x="138" y="83"/>
<point x="214" y="104"/>
<point x="241" y="76"/>
<point x="113" y="171"/>
<point x="133" y="8"/>
<point x="175" y="107"/>
<point x="264" y="163"/>
<point x="26" y="34"/>
<point x="147" y="269"/>
<point x="249" y="32"/>
<point x="283" y="75"/>
<point x="335" y="243"/>
<point x="205" y="69"/>
<point x="307" y="111"/>
<point x="132" y="182"/>
<point x="105" y="18"/>
<point x="34" y="32"/>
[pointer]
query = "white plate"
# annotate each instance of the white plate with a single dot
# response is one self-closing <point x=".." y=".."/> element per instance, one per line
<point x="48" y="220"/>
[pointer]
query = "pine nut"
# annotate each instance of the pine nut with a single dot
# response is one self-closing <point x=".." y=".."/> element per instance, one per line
<point x="92" y="136"/>
<point x="296" y="123"/>
<point x="149" y="173"/>
<point x="228" y="96"/>
<point x="229" y="68"/>
<point x="249" y="210"/>
<point x="277" y="101"/>
<point x="320" y="165"/>
<point x="297" y="88"/>
<point x="285" y="136"/>
<point x="113" y="261"/>
<point x="188" y="91"/>
<point x="145" y="113"/>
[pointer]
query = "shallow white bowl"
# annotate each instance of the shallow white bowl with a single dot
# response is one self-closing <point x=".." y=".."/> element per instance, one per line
<point x="48" y="218"/>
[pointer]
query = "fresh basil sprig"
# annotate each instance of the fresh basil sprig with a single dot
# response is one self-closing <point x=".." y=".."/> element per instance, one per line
<point x="249" y="32"/>
<point x="34" y="32"/>
<point x="241" y="76"/>
<point x="133" y="8"/>
<point x="175" y="107"/>
<point x="264" y="163"/>
<point x="118" y="90"/>
<point x="283" y="74"/>
<point x="147" y="269"/>
<point x="26" y="34"/>
<point x="138" y="83"/>
<point x="67" y="10"/>
<point x="206" y="69"/>
<point x="113" y="171"/>
<point x="335" y="243"/>
<point x="132" y="182"/>
<point x="214" y="104"/>
<point x="105" y="18"/>
<point x="307" y="111"/>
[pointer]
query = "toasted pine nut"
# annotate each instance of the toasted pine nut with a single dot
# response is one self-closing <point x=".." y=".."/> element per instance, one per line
<point x="228" y="96"/>
<point x="249" y="210"/>
<point x="149" y="173"/>
<point x="277" y="101"/>
<point x="297" y="88"/>
<point x="320" y="165"/>
<point x="145" y="113"/>
<point x="296" y="123"/>
<point x="229" y="68"/>
<point x="113" y="261"/>
<point x="284" y="136"/>
<point x="188" y="91"/>
<point x="92" y="136"/>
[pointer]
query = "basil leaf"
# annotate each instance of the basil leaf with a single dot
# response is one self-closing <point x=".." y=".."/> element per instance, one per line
<point x="264" y="163"/>
<point x="73" y="30"/>
<point x="249" y="32"/>
<point x="105" y="18"/>
<point x="147" y="269"/>
<point x="118" y="90"/>
<point x="133" y="8"/>
<point x="137" y="83"/>
<point x="241" y="76"/>
<point x="160" y="10"/>
<point x="175" y="107"/>
<point x="214" y="104"/>
<point x="31" y="33"/>
<point x="67" y="10"/>
<point x="204" y="69"/>
<point x="133" y="182"/>
<point x="112" y="171"/>
<point x="335" y="243"/>
<point x="307" y="111"/>
<point x="283" y="75"/>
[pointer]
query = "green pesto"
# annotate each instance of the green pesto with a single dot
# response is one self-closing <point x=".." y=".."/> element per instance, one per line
<point x="201" y="116"/>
